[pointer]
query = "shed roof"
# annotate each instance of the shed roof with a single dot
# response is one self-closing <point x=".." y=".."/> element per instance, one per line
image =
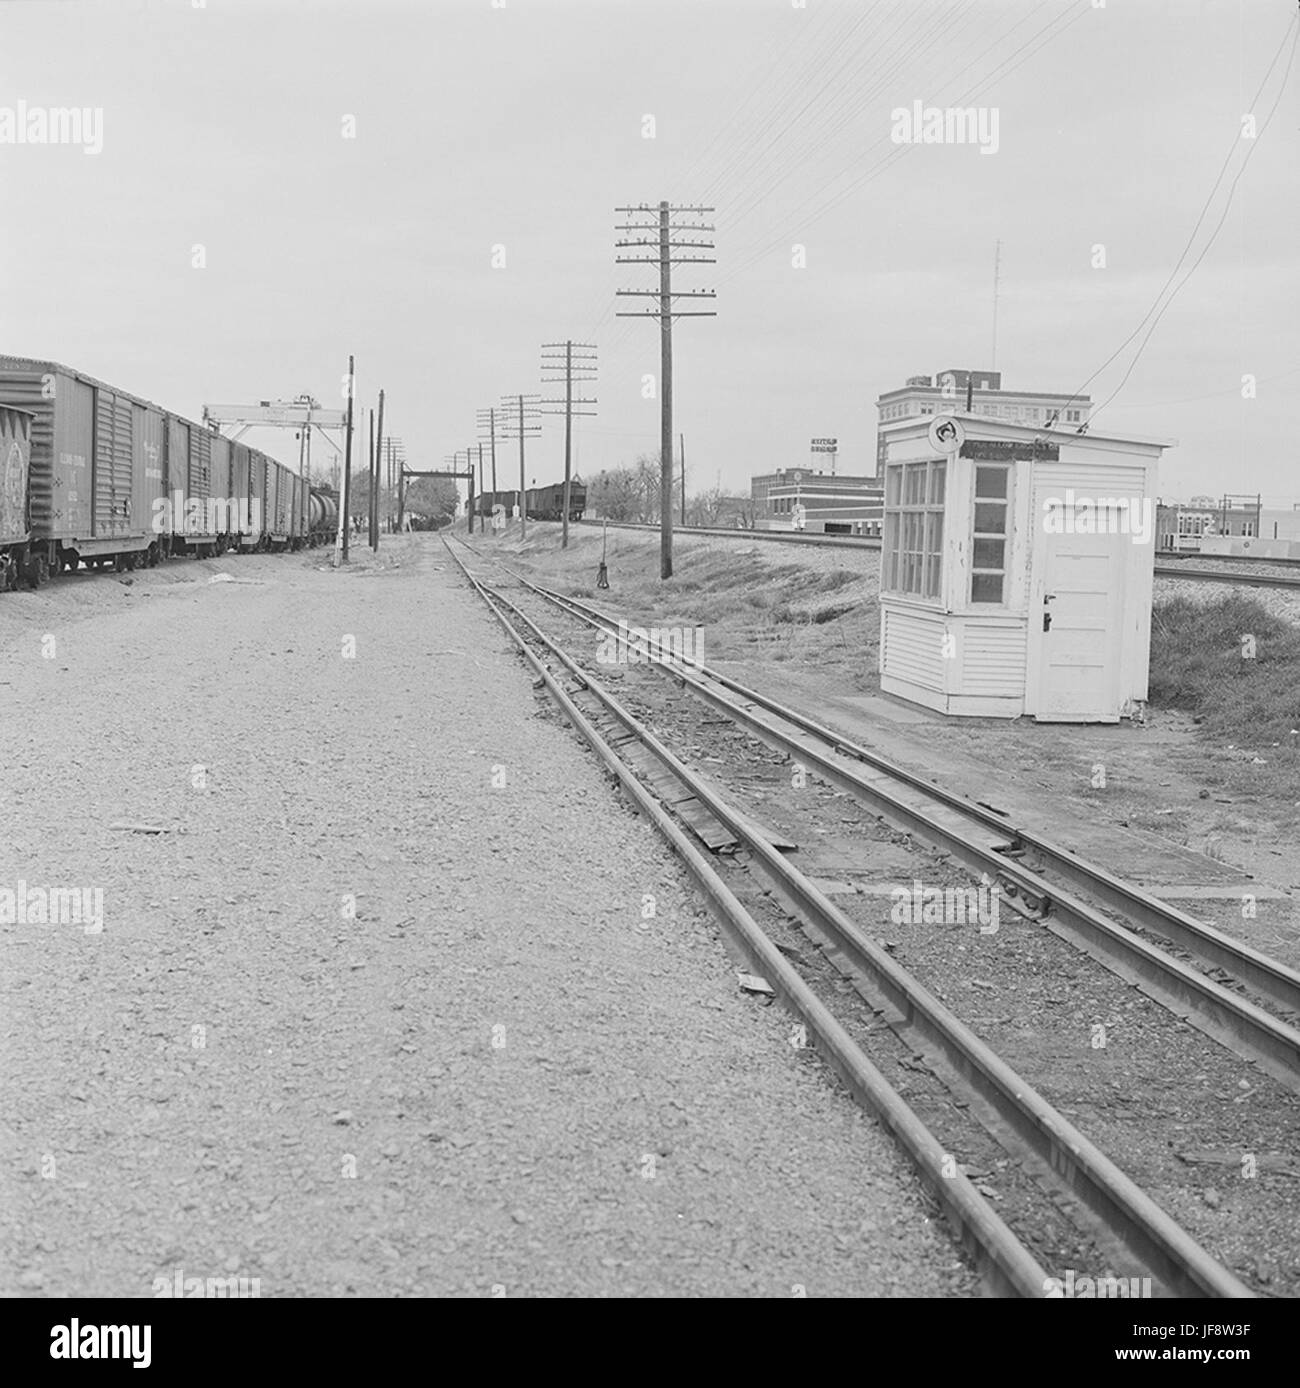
<point x="987" y="426"/>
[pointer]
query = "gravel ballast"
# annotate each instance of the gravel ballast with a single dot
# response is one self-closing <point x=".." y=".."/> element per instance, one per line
<point x="382" y="1009"/>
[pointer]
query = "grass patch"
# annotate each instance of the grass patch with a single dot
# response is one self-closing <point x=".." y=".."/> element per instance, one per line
<point x="1233" y="667"/>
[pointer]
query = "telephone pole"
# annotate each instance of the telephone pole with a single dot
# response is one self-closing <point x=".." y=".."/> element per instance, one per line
<point x="394" y="451"/>
<point x="454" y="470"/>
<point x="661" y="235"/>
<point x="374" y="480"/>
<point x="345" y="521"/>
<point x="487" y="419"/>
<point x="574" y="361"/>
<point x="519" y="421"/>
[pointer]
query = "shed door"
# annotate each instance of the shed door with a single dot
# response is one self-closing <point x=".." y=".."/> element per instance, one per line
<point x="1079" y="652"/>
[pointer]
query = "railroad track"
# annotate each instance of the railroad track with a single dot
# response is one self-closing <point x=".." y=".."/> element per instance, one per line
<point x="1176" y="569"/>
<point x="1235" y="576"/>
<point x="783" y="537"/>
<point x="1194" y="556"/>
<point x="1253" y="1006"/>
<point x="1058" y="1153"/>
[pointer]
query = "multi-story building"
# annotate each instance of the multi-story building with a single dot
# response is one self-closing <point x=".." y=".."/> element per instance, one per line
<point x="1228" y="525"/>
<point x="950" y="390"/>
<point x="805" y="498"/>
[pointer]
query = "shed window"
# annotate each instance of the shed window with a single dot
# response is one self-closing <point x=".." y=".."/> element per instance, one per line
<point x="913" y="539"/>
<point x="989" y="538"/>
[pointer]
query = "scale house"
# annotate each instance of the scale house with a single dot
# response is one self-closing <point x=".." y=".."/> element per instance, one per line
<point x="1017" y="566"/>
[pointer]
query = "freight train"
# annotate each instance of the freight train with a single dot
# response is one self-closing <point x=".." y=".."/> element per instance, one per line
<point x="92" y="474"/>
<point x="541" y="503"/>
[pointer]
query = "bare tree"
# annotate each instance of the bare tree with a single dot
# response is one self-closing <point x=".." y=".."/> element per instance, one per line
<point x="707" y="507"/>
<point x="646" y="474"/>
<point x="613" y="494"/>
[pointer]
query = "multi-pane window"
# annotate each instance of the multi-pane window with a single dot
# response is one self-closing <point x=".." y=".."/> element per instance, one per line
<point x="912" y="552"/>
<point x="989" y="540"/>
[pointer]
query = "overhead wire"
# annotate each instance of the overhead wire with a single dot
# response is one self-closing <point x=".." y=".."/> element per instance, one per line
<point x="1163" y="308"/>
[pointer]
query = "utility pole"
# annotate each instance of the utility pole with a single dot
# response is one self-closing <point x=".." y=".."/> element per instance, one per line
<point x="370" y="481"/>
<point x="488" y="418"/>
<point x="480" y="478"/>
<point x="394" y="454"/>
<point x="374" y="483"/>
<point x="454" y="470"/>
<point x="520" y="422"/>
<point x="341" y="545"/>
<point x="683" y="439"/>
<point x="660" y="236"/>
<point x="579" y="356"/>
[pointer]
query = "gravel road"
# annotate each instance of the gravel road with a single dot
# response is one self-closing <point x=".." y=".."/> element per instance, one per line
<point x="381" y="1008"/>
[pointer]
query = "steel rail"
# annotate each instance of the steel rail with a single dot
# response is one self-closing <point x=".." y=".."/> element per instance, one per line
<point x="1173" y="1257"/>
<point x="1196" y="556"/>
<point x="1002" y="1260"/>
<point x="1227" y="576"/>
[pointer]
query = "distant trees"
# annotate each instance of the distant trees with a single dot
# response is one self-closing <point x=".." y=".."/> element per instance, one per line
<point x="631" y="493"/>
<point x="613" y="494"/>
<point x="706" y="508"/>
<point x="435" y="497"/>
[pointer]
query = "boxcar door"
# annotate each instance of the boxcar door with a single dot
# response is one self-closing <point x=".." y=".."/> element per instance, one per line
<point x="178" y="470"/>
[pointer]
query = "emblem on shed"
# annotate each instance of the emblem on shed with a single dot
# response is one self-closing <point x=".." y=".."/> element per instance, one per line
<point x="946" y="434"/>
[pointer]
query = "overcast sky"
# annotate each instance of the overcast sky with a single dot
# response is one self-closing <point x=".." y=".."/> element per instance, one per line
<point x="521" y="125"/>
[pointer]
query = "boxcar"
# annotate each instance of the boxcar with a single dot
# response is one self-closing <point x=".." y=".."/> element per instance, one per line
<point x="487" y="502"/>
<point x="89" y="456"/>
<point x="547" y="503"/>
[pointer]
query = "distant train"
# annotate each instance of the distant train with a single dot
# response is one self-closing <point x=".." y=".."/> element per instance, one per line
<point x="485" y="503"/>
<point x="541" y="503"/>
<point x="91" y="474"/>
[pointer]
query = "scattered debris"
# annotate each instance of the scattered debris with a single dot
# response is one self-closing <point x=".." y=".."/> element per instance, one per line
<point x="141" y="828"/>
<point x="751" y="983"/>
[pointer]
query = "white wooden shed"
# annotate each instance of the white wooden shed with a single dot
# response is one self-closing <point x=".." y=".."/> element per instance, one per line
<point x="1016" y="568"/>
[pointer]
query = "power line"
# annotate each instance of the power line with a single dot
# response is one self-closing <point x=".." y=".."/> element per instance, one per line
<point x="1205" y="250"/>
